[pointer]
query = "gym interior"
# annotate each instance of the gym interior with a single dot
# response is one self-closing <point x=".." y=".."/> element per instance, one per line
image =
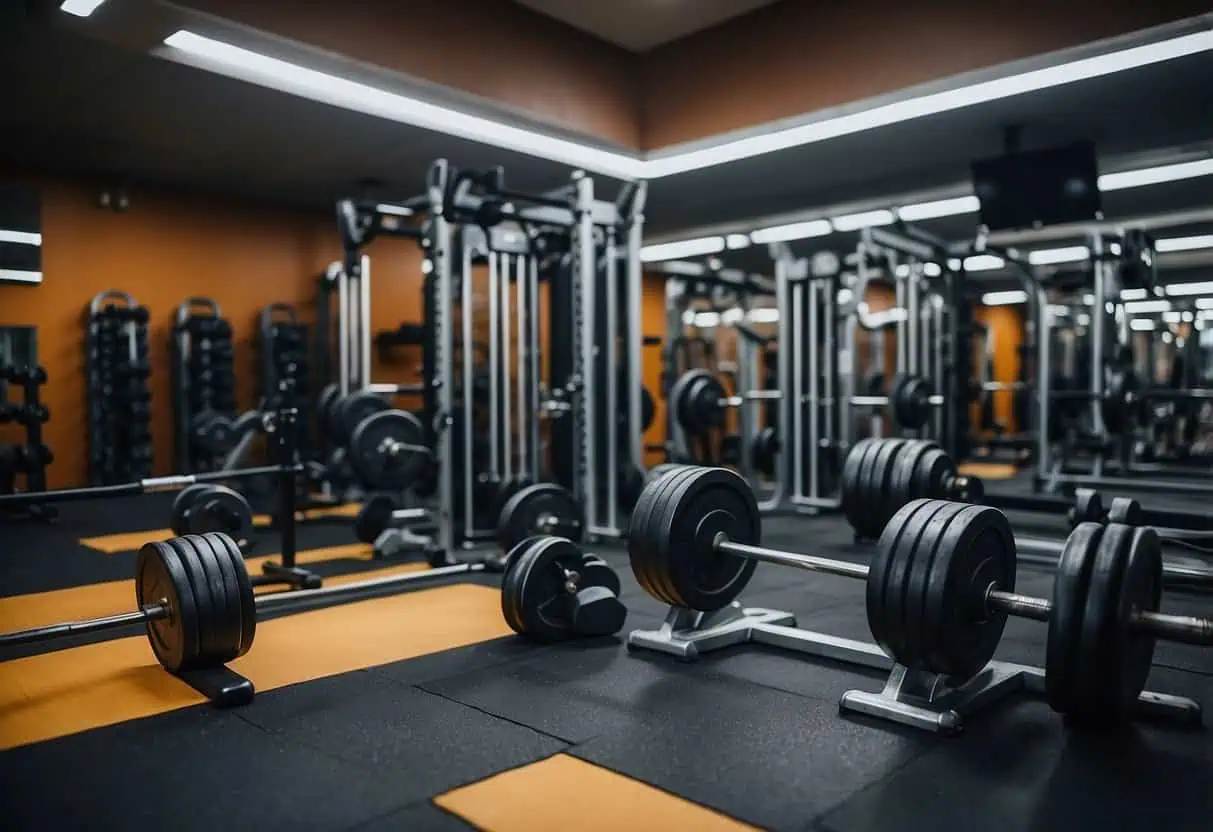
<point x="538" y="414"/>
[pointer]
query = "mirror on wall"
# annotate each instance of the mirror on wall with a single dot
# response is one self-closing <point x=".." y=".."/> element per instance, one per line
<point x="20" y="234"/>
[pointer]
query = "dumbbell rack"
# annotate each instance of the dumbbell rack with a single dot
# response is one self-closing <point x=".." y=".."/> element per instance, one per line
<point x="117" y="373"/>
<point x="282" y="343"/>
<point x="204" y="395"/>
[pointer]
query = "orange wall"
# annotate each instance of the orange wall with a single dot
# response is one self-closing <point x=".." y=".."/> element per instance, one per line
<point x="161" y="250"/>
<point x="1006" y="327"/>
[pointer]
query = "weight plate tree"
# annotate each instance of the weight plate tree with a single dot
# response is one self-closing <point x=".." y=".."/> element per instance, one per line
<point x="196" y="599"/>
<point x="282" y="343"/>
<point x="117" y="373"/>
<point x="204" y="385"/>
<point x="939" y="589"/>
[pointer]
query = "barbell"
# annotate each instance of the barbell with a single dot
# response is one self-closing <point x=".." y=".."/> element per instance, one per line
<point x="939" y="588"/>
<point x="195" y="597"/>
<point x="910" y="398"/>
<point x="699" y="401"/>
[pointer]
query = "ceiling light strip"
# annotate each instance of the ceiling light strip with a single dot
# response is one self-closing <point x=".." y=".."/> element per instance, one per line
<point x="24" y="238"/>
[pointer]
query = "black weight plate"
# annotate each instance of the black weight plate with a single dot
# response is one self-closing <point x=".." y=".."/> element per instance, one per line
<point x="658" y="471"/>
<point x="511" y="556"/>
<point x="353" y="409"/>
<point x="649" y="537"/>
<point x="202" y="598"/>
<point x="226" y="620"/>
<point x="636" y="532"/>
<point x="682" y="398"/>
<point x="537" y="602"/>
<point x="868" y="493"/>
<point x="160" y="576"/>
<point x="374" y="516"/>
<point x="698" y="507"/>
<point x="232" y="595"/>
<point x="597" y="572"/>
<point x="902" y="485"/>
<point x="1125" y="510"/>
<point x="1088" y="506"/>
<point x="504" y="491"/>
<point x="881" y="565"/>
<point x="629" y="482"/>
<point x="1140" y="591"/>
<point x="510" y="592"/>
<point x="976" y="551"/>
<point x="248" y="599"/>
<point x="919" y="567"/>
<point x="370" y="444"/>
<point x="324" y="408"/>
<point x="658" y="528"/>
<point x="934" y="471"/>
<point x="220" y="509"/>
<point x="908" y="549"/>
<point x="852" y="483"/>
<point x="1095" y="695"/>
<point x="521" y="515"/>
<point x="882" y="472"/>
<point x="182" y="504"/>
<point x="1070" y="582"/>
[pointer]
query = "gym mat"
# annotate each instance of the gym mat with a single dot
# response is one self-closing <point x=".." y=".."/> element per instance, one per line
<point x="67" y="691"/>
<point x="605" y="801"/>
<point x="349" y="510"/>
<point x="17" y="612"/>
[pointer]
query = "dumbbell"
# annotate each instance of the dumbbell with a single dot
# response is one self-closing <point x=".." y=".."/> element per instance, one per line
<point x="552" y="591"/>
<point x="939" y="588"/>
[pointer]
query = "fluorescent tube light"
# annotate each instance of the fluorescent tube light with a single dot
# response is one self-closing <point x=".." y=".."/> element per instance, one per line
<point x="394" y="210"/>
<point x="866" y="219"/>
<point x="793" y="231"/>
<point x="1198" y="241"/>
<point x="1004" y="298"/>
<point x="1134" y="294"/>
<point x="939" y="208"/>
<point x="1171" y="317"/>
<point x="931" y="104"/>
<point x="1156" y="175"/>
<point x="80" y="8"/>
<point x="25" y="238"/>
<point x="351" y="95"/>
<point x="1051" y="256"/>
<point x="984" y="263"/>
<point x="1142" y="324"/>
<point x="766" y="315"/>
<point x="1146" y="307"/>
<point x="682" y="248"/>
<point x="931" y="269"/>
<point x="736" y="241"/>
<point x="1204" y="303"/>
<point x="20" y="276"/>
<point x="1181" y="289"/>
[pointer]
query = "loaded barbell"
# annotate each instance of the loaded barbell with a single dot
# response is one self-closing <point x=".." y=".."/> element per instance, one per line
<point x="939" y="588"/>
<point x="698" y="400"/>
<point x="196" y="599"/>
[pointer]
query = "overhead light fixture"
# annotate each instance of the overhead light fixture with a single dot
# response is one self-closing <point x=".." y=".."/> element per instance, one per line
<point x="1083" y="319"/>
<point x="792" y="231"/>
<point x="1186" y="317"/>
<point x="939" y="208"/>
<point x="1052" y="256"/>
<point x="1203" y="303"/>
<point x="1088" y="299"/>
<point x="931" y="269"/>
<point x="1134" y="294"/>
<point x="1147" y="307"/>
<point x="351" y="95"/>
<point x="865" y="219"/>
<point x="1004" y="298"/>
<point x="394" y="210"/>
<point x="766" y="315"/>
<point x="730" y="317"/>
<point x="1193" y="243"/>
<point x="24" y="238"/>
<point x="80" y="8"/>
<point x="1057" y="310"/>
<point x="20" y="276"/>
<point x="705" y="320"/>
<point x="1181" y="289"/>
<point x="984" y="263"/>
<point x="1156" y="175"/>
<point x="1171" y="317"/>
<point x="902" y="270"/>
<point x="736" y="241"/>
<point x="1142" y="324"/>
<point x="682" y="248"/>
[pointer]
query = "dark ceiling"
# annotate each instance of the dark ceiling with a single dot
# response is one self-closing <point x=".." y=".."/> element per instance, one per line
<point x="75" y="104"/>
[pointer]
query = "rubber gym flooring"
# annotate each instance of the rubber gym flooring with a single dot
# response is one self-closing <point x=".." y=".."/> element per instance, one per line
<point x="421" y="711"/>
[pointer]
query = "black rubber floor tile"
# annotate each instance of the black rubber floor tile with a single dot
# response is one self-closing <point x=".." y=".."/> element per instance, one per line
<point x="197" y="769"/>
<point x="1022" y="769"/>
<point x="417" y="743"/>
<point x="763" y="756"/>
<point x="420" y="817"/>
<point x="783" y="670"/>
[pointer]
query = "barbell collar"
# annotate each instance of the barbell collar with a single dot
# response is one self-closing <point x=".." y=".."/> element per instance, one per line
<point x="811" y="563"/>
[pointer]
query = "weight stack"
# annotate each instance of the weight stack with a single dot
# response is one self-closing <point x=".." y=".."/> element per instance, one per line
<point x="282" y="343"/>
<point x="117" y="373"/>
<point x="204" y="388"/>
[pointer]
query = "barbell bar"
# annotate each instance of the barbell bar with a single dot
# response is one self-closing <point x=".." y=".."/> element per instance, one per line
<point x="935" y="400"/>
<point x="939" y="587"/>
<point x="151" y="485"/>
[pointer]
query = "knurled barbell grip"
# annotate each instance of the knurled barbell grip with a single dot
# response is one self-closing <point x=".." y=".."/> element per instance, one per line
<point x="34" y="635"/>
